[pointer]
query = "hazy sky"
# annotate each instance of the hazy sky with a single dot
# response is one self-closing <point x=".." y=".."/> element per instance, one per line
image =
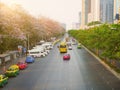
<point x="64" y="11"/>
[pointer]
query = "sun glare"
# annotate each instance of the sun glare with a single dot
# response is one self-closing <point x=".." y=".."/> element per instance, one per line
<point x="9" y="2"/>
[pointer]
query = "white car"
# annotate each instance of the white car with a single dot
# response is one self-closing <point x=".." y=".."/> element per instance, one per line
<point x="36" y="53"/>
<point x="43" y="48"/>
<point x="74" y="43"/>
<point x="70" y="48"/>
<point x="48" y="45"/>
<point x="68" y="43"/>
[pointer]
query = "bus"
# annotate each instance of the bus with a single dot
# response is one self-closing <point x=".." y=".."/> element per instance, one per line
<point x="63" y="47"/>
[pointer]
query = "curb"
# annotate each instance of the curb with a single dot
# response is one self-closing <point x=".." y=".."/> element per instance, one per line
<point x="56" y="42"/>
<point x="103" y="63"/>
<point x="11" y="63"/>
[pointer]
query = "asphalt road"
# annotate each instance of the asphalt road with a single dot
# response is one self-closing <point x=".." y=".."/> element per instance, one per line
<point x="82" y="72"/>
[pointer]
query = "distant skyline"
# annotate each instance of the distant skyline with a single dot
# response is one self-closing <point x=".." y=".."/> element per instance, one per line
<point x="63" y="11"/>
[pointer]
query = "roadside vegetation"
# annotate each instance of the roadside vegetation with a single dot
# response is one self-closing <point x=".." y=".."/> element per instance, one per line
<point x="17" y="25"/>
<point x="103" y="40"/>
<point x="94" y="23"/>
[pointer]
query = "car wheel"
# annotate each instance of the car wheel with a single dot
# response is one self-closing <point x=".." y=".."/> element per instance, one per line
<point x="2" y="85"/>
<point x="7" y="82"/>
<point x="24" y="67"/>
<point x="18" y="73"/>
<point x="15" y="74"/>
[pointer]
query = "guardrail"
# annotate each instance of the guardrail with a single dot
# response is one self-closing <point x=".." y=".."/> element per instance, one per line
<point x="55" y="42"/>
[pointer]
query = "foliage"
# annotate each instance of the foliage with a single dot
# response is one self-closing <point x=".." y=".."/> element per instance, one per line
<point x="115" y="26"/>
<point x="102" y="38"/>
<point x="94" y="23"/>
<point x="15" y="21"/>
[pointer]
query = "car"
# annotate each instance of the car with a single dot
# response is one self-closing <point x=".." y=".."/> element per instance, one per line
<point x="13" y="70"/>
<point x="36" y="52"/>
<point x="29" y="59"/>
<point x="79" y="46"/>
<point x="3" y="80"/>
<point x="74" y="43"/>
<point x="22" y="65"/>
<point x="66" y="57"/>
<point x="70" y="48"/>
<point x="68" y="43"/>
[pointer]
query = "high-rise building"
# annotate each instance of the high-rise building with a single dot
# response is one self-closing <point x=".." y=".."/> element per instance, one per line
<point x="94" y="12"/>
<point x="63" y="25"/>
<point x="84" y="17"/>
<point x="97" y="10"/>
<point x="106" y="11"/>
<point x="116" y="10"/>
<point x="80" y="18"/>
<point x="75" y="25"/>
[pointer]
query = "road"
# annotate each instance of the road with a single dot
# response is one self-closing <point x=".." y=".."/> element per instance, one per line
<point x="82" y="72"/>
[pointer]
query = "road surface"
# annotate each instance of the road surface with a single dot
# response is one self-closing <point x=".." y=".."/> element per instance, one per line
<point x="82" y="72"/>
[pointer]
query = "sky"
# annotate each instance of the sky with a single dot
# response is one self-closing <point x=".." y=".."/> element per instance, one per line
<point x="63" y="11"/>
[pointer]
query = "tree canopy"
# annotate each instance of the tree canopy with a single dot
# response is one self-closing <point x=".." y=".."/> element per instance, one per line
<point x="17" y="24"/>
<point x="105" y="38"/>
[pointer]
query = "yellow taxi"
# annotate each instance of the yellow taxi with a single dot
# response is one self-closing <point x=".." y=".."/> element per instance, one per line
<point x="3" y="80"/>
<point x="13" y="70"/>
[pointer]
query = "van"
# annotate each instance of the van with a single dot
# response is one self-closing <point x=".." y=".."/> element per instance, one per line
<point x="43" y="48"/>
<point x="36" y="53"/>
<point x="48" y="45"/>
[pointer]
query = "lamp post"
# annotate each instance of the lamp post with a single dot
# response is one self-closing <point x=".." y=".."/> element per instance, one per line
<point x="28" y="42"/>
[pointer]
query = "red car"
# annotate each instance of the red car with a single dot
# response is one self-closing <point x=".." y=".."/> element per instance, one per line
<point x="22" y="65"/>
<point x="66" y="57"/>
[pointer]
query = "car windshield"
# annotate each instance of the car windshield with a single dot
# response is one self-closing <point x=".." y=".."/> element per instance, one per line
<point x="34" y="52"/>
<point x="29" y="57"/>
<point x="62" y="46"/>
<point x="11" y="69"/>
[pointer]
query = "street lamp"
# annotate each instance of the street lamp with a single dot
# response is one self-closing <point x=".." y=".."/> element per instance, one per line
<point x="26" y="38"/>
<point x="28" y="42"/>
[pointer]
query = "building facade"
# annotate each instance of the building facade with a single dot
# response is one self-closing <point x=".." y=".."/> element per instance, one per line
<point x="75" y="25"/>
<point x="106" y="11"/>
<point x="94" y="12"/>
<point x="79" y="18"/>
<point x="84" y="13"/>
<point x="116" y="10"/>
<point x="63" y="25"/>
<point x="97" y="10"/>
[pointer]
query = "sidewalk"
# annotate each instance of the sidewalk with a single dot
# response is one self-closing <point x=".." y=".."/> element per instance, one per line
<point x="3" y="68"/>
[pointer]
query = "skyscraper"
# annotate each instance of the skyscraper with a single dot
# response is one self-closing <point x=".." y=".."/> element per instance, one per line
<point x="80" y="18"/>
<point x="106" y="11"/>
<point x="84" y="17"/>
<point x="97" y="10"/>
<point x="116" y="10"/>
<point x="94" y="12"/>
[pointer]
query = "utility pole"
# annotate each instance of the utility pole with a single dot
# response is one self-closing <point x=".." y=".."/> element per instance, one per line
<point x="28" y="41"/>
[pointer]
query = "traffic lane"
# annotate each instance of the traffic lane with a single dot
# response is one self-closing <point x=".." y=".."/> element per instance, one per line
<point x="28" y="78"/>
<point x="25" y="80"/>
<point x="49" y="73"/>
<point x="62" y="75"/>
<point x="95" y="75"/>
<point x="52" y="73"/>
